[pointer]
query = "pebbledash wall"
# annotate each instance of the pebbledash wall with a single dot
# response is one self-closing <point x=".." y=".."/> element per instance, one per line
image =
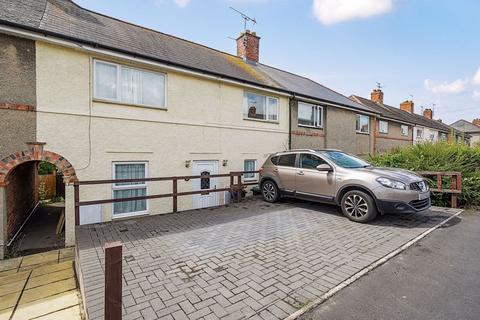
<point x="17" y="127"/>
<point x="338" y="132"/>
<point x="203" y="120"/>
<point x="393" y="138"/>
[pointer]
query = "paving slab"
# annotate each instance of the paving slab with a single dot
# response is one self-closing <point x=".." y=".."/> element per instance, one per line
<point x="247" y="260"/>
<point x="40" y="286"/>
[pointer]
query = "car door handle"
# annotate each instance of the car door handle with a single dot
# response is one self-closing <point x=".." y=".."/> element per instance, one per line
<point x="300" y="173"/>
<point x="276" y="170"/>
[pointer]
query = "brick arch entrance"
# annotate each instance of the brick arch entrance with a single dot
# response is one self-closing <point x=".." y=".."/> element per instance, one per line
<point x="35" y="152"/>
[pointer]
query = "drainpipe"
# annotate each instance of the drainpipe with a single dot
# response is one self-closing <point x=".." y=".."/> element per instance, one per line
<point x="290" y="121"/>
<point x="374" y="135"/>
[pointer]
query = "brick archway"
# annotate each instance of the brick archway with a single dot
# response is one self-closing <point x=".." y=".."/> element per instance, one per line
<point x="35" y="152"/>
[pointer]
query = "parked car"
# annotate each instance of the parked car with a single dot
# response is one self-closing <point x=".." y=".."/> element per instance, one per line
<point x="333" y="176"/>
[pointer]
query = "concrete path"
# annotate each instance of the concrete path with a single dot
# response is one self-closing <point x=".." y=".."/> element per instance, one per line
<point x="39" y="286"/>
<point x="251" y="260"/>
<point x="437" y="279"/>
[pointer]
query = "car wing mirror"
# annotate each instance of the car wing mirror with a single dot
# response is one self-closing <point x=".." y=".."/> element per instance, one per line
<point x="324" y="167"/>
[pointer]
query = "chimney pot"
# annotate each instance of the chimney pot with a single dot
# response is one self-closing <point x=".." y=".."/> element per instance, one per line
<point x="428" y="113"/>
<point x="407" y="105"/>
<point x="476" y="122"/>
<point x="377" y="96"/>
<point x="248" y="46"/>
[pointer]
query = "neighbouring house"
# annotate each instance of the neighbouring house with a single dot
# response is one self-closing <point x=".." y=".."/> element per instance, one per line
<point x="337" y="123"/>
<point x="471" y="129"/>
<point x="106" y="99"/>
<point x="424" y="127"/>
<point x="392" y="129"/>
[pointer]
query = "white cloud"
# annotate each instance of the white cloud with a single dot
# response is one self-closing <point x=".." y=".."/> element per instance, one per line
<point x="456" y="86"/>
<point x="333" y="11"/>
<point x="476" y="78"/>
<point x="182" y="3"/>
<point x="476" y="95"/>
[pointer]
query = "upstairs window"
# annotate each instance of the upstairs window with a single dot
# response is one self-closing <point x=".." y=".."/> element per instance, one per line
<point x="260" y="107"/>
<point x="404" y="130"/>
<point x="383" y="126"/>
<point x="310" y="115"/>
<point x="117" y="83"/>
<point x="363" y="123"/>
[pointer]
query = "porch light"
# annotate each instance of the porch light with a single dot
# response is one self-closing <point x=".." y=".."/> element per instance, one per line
<point x="225" y="163"/>
<point x="187" y="163"/>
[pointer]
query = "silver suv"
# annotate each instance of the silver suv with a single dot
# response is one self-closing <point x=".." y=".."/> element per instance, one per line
<point x="332" y="176"/>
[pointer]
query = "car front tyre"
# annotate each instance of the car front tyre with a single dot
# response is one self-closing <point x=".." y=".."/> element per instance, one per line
<point x="358" y="206"/>
<point x="270" y="191"/>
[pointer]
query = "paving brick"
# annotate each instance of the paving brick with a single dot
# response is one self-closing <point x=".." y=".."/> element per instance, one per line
<point x="249" y="260"/>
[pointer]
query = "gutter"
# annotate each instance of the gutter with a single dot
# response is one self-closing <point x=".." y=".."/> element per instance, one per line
<point x="90" y="46"/>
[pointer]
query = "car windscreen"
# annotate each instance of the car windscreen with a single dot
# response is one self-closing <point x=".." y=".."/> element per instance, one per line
<point x="345" y="160"/>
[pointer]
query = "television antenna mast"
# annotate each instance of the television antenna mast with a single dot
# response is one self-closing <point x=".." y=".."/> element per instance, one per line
<point x="245" y="18"/>
<point x="433" y="108"/>
<point x="379" y="86"/>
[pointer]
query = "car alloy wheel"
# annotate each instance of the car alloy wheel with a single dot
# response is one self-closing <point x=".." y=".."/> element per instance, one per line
<point x="269" y="191"/>
<point x="356" y="206"/>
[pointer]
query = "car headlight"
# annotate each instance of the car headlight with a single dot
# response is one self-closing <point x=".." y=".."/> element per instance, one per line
<point x="389" y="183"/>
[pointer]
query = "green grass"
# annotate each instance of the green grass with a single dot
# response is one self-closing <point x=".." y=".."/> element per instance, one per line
<point x="440" y="157"/>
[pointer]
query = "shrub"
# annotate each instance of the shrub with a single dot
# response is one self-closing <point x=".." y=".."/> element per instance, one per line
<point x="442" y="156"/>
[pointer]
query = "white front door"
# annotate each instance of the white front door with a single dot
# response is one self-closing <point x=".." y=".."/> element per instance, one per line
<point x="208" y="199"/>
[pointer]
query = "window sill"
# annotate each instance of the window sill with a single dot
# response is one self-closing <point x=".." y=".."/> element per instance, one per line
<point x="129" y="104"/>
<point x="383" y="132"/>
<point x="365" y="133"/>
<point x="129" y="215"/>
<point x="261" y="120"/>
<point x="311" y="127"/>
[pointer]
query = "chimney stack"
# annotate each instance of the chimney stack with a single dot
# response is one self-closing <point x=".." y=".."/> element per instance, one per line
<point x="407" y="105"/>
<point x="248" y="46"/>
<point x="377" y="96"/>
<point x="428" y="113"/>
<point x="476" y="122"/>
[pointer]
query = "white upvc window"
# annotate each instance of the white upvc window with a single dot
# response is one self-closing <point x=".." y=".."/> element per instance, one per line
<point x="443" y="136"/>
<point x="404" y="130"/>
<point x="383" y="126"/>
<point x="250" y="165"/>
<point x="419" y="133"/>
<point x="260" y="107"/>
<point x="117" y="83"/>
<point x="129" y="170"/>
<point x="363" y="123"/>
<point x="310" y="115"/>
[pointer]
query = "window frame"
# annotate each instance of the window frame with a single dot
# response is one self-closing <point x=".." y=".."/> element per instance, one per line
<point x="116" y="187"/>
<point x="359" y="129"/>
<point x="299" y="162"/>
<point x="380" y="126"/>
<point x="318" y="118"/>
<point x="267" y="97"/>
<point x="255" y="176"/>
<point x="401" y="130"/>
<point x="118" y="99"/>
<point x="416" y="133"/>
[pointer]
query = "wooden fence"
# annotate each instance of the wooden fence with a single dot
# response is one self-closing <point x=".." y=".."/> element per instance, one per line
<point x="455" y="187"/>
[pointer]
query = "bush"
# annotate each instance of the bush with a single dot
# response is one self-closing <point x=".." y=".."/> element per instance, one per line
<point x="46" y="168"/>
<point x="441" y="156"/>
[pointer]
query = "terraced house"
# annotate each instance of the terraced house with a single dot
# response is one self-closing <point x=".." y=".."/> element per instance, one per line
<point x="105" y="99"/>
<point x="396" y="127"/>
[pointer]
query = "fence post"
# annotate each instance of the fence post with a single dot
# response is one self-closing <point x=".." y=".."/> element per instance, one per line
<point x="175" y="191"/>
<point x="113" y="281"/>
<point x="439" y="181"/>
<point x="454" y="186"/>
<point x="239" y="187"/>
<point x="76" y="200"/>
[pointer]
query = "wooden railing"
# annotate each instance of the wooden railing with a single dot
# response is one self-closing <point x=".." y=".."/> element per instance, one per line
<point x="235" y="188"/>
<point x="455" y="185"/>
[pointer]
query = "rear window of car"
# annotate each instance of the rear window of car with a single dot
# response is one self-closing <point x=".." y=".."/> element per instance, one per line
<point x="287" y="160"/>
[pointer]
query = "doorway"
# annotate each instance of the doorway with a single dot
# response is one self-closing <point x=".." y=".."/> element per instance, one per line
<point x="205" y="169"/>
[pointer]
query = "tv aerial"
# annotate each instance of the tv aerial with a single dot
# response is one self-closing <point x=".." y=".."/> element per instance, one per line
<point x="245" y="18"/>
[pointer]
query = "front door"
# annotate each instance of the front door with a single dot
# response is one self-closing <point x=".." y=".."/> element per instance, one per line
<point x="204" y="169"/>
<point x="310" y="181"/>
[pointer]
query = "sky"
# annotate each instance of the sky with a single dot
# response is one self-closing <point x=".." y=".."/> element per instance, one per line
<point x="425" y="50"/>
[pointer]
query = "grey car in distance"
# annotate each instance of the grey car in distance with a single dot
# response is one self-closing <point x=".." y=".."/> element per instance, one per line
<point x="335" y="177"/>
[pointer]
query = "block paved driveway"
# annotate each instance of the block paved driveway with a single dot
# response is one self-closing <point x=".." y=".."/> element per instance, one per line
<point x="251" y="260"/>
